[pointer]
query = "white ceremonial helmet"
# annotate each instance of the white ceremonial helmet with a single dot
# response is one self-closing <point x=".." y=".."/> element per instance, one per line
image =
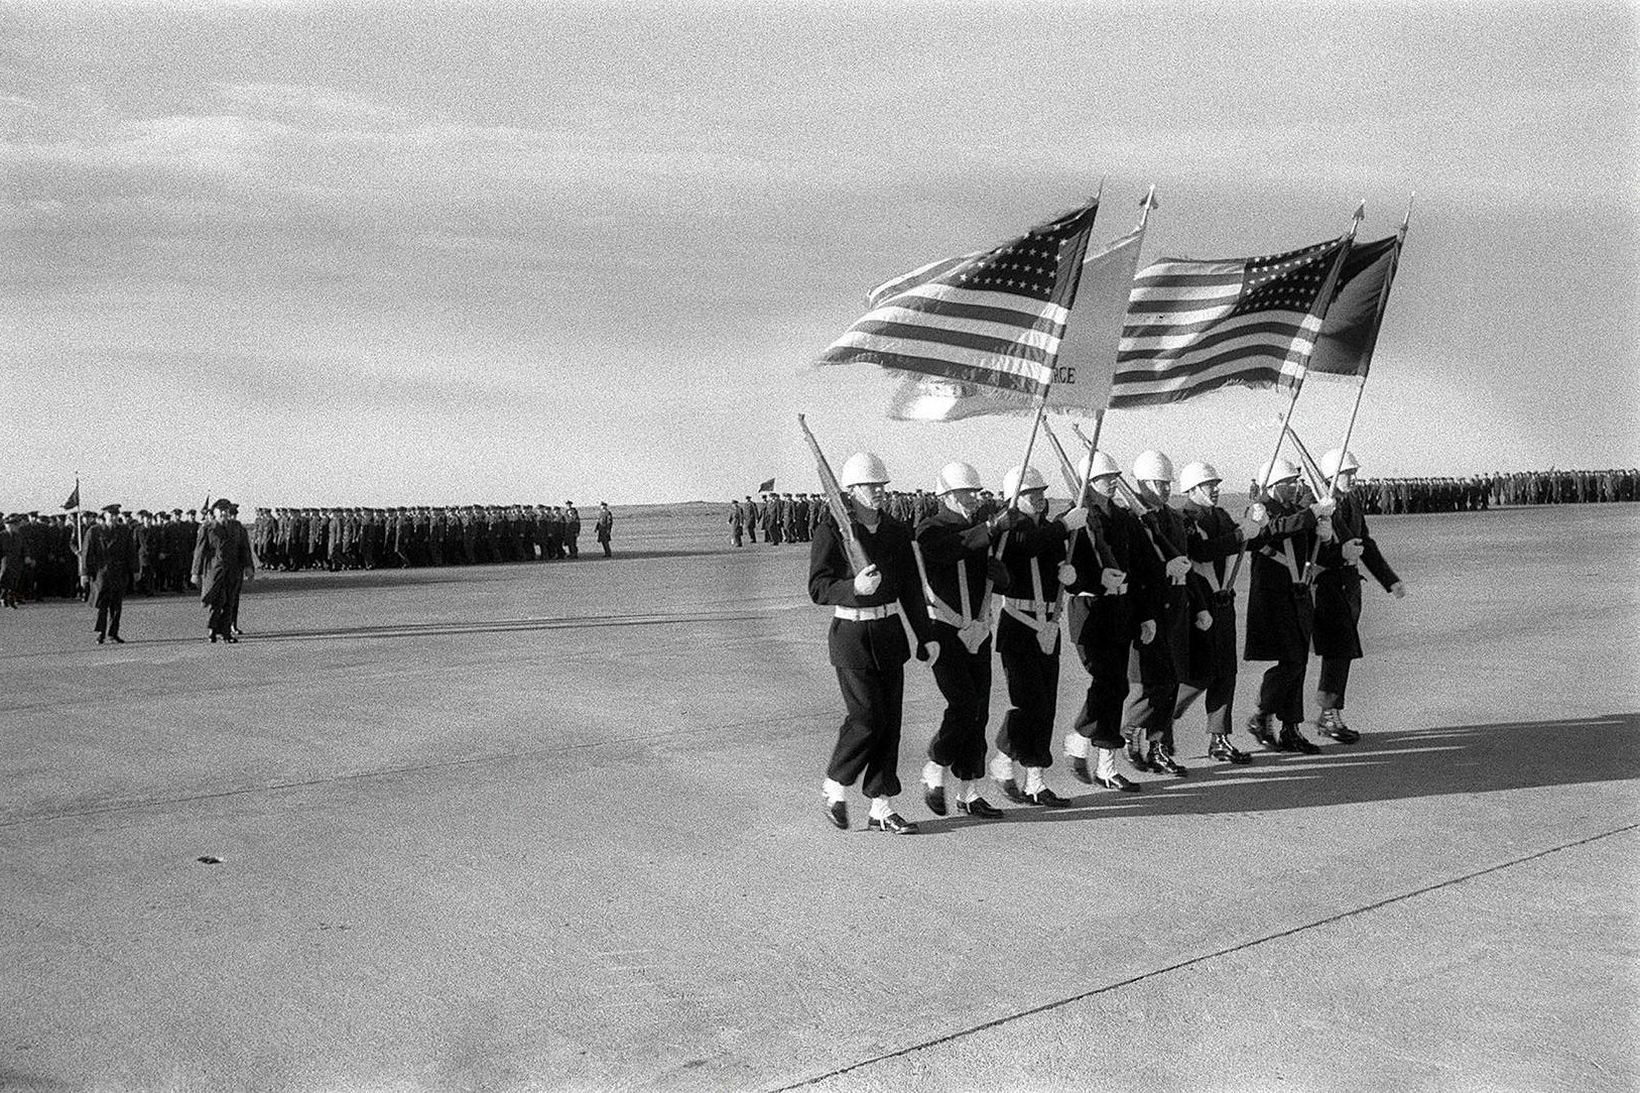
<point x="1197" y="474"/>
<point x="1153" y="466"/>
<point x="956" y="476"/>
<point x="864" y="469"/>
<point x="1103" y="465"/>
<point x="1021" y="479"/>
<point x="1276" y="470"/>
<point x="1337" y="462"/>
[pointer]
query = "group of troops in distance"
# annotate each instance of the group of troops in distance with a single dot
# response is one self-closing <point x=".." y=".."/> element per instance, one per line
<point x="365" y="538"/>
<point x="1478" y="493"/>
<point x="1145" y="592"/>
<point x="104" y="557"/>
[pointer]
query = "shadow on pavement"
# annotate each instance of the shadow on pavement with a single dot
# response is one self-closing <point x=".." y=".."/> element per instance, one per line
<point x="1459" y="759"/>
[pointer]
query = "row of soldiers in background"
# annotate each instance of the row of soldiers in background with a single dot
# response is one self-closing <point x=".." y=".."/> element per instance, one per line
<point x="1147" y="589"/>
<point x="1478" y="493"/>
<point x="361" y="538"/>
<point x="41" y="552"/>
<point x="792" y="518"/>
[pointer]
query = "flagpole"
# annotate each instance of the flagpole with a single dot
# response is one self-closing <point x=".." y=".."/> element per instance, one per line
<point x="1325" y="299"/>
<point x="1383" y="300"/>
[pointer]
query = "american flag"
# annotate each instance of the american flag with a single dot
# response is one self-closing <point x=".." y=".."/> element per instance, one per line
<point x="993" y="318"/>
<point x="1193" y="326"/>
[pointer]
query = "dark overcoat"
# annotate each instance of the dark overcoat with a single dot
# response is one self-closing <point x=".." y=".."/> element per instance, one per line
<point x="1279" y="610"/>
<point x="1338" y="584"/>
<point x="110" y="561"/>
<point x="221" y="557"/>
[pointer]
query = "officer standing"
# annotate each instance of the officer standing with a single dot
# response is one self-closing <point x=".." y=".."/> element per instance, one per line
<point x="737" y="523"/>
<point x="1338" y="594"/>
<point x="107" y="565"/>
<point x="1113" y="604"/>
<point x="1214" y="537"/>
<point x="222" y="561"/>
<point x="877" y="613"/>
<point x="1280" y="614"/>
<point x="953" y="552"/>
<point x="604" y="526"/>
<point x="1027" y="637"/>
<point x="572" y="530"/>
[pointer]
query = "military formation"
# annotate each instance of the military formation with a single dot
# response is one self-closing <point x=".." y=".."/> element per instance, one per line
<point x="363" y="538"/>
<point x="1477" y="493"/>
<point x="1142" y="588"/>
<point x="104" y="557"/>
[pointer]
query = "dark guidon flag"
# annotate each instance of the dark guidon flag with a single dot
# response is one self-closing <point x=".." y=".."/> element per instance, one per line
<point x="767" y="485"/>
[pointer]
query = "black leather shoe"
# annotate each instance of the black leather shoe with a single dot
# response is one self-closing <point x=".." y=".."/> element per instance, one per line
<point x="1047" y="798"/>
<point x="1258" y="727"/>
<point x="1136" y="757"/>
<point x="230" y="639"/>
<point x="1079" y="770"/>
<point x="1222" y="751"/>
<point x="934" y="798"/>
<point x="980" y="809"/>
<point x="1116" y="781"/>
<point x="1010" y="789"/>
<point x="101" y="639"/>
<point x="213" y="637"/>
<point x="1162" y="762"/>
<point x="116" y="639"/>
<point x="837" y="813"/>
<point x="1331" y="723"/>
<point x="1293" y="740"/>
<point x="893" y="824"/>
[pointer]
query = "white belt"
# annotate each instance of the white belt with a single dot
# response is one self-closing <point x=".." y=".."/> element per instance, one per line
<point x="1050" y="608"/>
<point x="866" y="614"/>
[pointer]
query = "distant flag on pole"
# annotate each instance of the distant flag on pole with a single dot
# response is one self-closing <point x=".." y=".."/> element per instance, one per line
<point x="767" y="486"/>
<point x="1350" y="331"/>
<point x="1087" y="352"/>
<point x="1194" y="326"/>
<point x="993" y="318"/>
<point x="73" y="501"/>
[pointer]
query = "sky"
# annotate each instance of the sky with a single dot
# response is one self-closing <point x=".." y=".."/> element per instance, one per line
<point x="303" y="253"/>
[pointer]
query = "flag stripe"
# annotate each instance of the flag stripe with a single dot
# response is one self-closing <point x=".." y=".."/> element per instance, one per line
<point x="994" y="318"/>
<point x="1197" y="326"/>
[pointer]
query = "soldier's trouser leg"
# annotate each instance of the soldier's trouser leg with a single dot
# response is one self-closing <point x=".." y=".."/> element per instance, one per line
<point x="115" y="610"/>
<point x="869" y="739"/>
<point x="1220" y="692"/>
<point x="964" y="679"/>
<point x="1100" y="718"/>
<point x="1149" y="713"/>
<point x="1026" y="735"/>
<point x="102" y="621"/>
<point x="1281" y="692"/>
<point x="1335" y="679"/>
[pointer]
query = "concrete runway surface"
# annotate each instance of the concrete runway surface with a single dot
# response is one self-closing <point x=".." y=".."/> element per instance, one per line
<point x="558" y="827"/>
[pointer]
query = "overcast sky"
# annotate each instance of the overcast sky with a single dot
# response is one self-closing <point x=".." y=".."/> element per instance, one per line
<point x="308" y="253"/>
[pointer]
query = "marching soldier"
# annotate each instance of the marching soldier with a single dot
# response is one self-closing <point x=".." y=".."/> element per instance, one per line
<point x="1155" y="667"/>
<point x="878" y="614"/>
<point x="1338" y="594"/>
<point x="1112" y="605"/>
<point x="1280" y="614"/>
<point x="1214" y="537"/>
<point x="953" y="553"/>
<point x="1027" y="638"/>
<point x="106" y="568"/>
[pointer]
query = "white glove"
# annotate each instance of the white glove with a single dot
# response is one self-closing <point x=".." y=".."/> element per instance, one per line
<point x="1076" y="519"/>
<point x="1112" y="579"/>
<point x="1258" y="513"/>
<point x="1398" y="590"/>
<point x="1324" y="508"/>
<point x="1351" y="550"/>
<point x="867" y="580"/>
<point x="1177" y="568"/>
<point x="1204" y="620"/>
<point x="1147" y="631"/>
<point x="1066" y="574"/>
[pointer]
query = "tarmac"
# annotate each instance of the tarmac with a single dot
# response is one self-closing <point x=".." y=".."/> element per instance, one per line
<point x="558" y="827"/>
